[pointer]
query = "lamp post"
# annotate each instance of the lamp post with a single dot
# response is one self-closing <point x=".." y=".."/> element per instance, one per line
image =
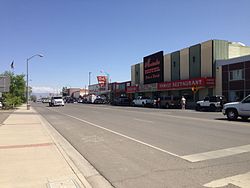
<point x="89" y="78"/>
<point x="27" y="78"/>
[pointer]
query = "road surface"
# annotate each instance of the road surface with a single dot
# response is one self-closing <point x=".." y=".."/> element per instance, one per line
<point x="146" y="147"/>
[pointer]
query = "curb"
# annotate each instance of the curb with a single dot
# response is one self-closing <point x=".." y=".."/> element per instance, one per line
<point x="85" y="172"/>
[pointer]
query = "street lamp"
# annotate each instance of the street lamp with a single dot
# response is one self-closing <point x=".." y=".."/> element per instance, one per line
<point x="27" y="78"/>
<point x="90" y="78"/>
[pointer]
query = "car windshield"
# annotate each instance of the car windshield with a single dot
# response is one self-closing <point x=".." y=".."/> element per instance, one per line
<point x="246" y="100"/>
<point x="57" y="97"/>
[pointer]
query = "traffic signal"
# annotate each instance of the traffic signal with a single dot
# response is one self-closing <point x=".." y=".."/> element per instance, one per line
<point x="194" y="89"/>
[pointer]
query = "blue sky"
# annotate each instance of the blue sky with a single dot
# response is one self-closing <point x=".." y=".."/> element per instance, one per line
<point x="78" y="36"/>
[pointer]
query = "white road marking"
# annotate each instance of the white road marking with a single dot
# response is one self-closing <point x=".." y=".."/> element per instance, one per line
<point x="241" y="180"/>
<point x="142" y="120"/>
<point x="217" y="153"/>
<point x="191" y="158"/>
<point x="122" y="135"/>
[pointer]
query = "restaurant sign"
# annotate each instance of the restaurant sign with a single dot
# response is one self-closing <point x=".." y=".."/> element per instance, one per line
<point x="185" y="84"/>
<point x="153" y="68"/>
<point x="102" y="80"/>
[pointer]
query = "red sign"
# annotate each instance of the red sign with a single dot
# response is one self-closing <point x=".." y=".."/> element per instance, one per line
<point x="210" y="81"/>
<point x="184" y="84"/>
<point x="132" y="89"/>
<point x="102" y="80"/>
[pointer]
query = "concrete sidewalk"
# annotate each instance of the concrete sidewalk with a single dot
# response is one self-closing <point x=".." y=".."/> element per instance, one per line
<point x="29" y="156"/>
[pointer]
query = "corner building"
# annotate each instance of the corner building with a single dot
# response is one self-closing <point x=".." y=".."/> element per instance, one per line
<point x="177" y="72"/>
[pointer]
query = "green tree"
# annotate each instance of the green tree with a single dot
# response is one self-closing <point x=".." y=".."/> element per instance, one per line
<point x="16" y="95"/>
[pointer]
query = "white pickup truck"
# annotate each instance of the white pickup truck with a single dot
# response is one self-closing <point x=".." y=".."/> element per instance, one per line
<point x="233" y="110"/>
<point x="56" y="101"/>
<point x="142" y="101"/>
<point x="212" y="103"/>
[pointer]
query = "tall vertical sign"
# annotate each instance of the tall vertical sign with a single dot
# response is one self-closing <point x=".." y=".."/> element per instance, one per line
<point x="102" y="80"/>
<point x="153" y="68"/>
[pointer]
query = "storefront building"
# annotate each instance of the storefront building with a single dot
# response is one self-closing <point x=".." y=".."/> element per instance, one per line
<point x="235" y="77"/>
<point x="115" y="89"/>
<point x="178" y="72"/>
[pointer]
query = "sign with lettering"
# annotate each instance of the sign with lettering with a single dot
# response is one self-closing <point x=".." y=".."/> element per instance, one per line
<point x="148" y="87"/>
<point x="153" y="68"/>
<point x="102" y="80"/>
<point x="185" y="84"/>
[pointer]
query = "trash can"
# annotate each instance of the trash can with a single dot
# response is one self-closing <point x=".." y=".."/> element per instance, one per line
<point x="28" y="106"/>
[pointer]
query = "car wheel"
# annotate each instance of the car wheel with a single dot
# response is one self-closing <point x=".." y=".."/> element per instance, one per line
<point x="143" y="104"/>
<point x="198" y="107"/>
<point x="212" y="108"/>
<point x="232" y="114"/>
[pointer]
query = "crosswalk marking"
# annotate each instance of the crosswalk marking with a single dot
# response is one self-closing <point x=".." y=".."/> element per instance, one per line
<point x="217" y="153"/>
<point x="241" y="180"/>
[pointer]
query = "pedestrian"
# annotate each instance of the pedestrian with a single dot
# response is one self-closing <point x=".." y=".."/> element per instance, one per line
<point x="183" y="102"/>
<point x="158" y="102"/>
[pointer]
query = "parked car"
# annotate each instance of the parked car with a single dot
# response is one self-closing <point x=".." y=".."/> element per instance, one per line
<point x="233" y="110"/>
<point x="46" y="100"/>
<point x="56" y="101"/>
<point x="170" y="102"/>
<point x="90" y="98"/>
<point x="212" y="103"/>
<point x="143" y="101"/>
<point x="39" y="100"/>
<point x="99" y="101"/>
<point x="121" y="101"/>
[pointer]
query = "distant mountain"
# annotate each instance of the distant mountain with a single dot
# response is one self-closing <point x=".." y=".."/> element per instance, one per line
<point x="41" y="95"/>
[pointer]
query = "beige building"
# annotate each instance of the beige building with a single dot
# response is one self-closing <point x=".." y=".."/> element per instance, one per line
<point x="186" y="68"/>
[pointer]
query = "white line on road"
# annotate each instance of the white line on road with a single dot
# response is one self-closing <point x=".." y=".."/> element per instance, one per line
<point x="217" y="153"/>
<point x="241" y="180"/>
<point x="119" y="134"/>
<point x="191" y="158"/>
<point x="142" y="120"/>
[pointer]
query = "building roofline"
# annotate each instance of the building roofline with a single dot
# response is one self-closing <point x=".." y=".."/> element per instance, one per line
<point x="233" y="60"/>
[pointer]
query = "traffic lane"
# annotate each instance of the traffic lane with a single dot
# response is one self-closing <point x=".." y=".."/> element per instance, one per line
<point x="170" y="133"/>
<point x="129" y="164"/>
<point x="186" y="113"/>
<point x="178" y="112"/>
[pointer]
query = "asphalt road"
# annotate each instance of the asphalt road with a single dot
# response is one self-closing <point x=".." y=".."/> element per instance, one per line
<point x="145" y="147"/>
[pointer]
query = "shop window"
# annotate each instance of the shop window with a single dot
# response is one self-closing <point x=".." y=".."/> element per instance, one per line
<point x="236" y="75"/>
<point x="193" y="59"/>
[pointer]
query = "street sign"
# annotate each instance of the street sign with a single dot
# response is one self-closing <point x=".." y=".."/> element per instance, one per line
<point x="4" y="83"/>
